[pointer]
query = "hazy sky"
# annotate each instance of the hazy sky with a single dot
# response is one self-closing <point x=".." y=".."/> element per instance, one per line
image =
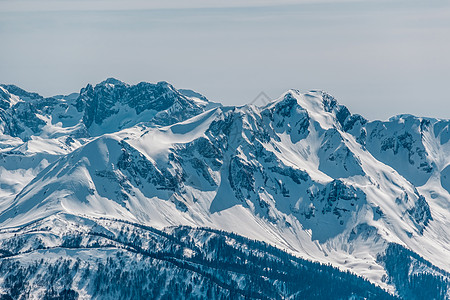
<point x="379" y="58"/>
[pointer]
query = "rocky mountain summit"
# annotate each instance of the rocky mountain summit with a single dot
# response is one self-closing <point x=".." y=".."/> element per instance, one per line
<point x="301" y="173"/>
<point x="108" y="107"/>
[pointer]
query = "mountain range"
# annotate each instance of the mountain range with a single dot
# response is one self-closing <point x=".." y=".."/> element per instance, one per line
<point x="148" y="191"/>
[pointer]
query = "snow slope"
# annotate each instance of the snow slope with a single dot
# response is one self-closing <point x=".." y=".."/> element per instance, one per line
<point x="301" y="173"/>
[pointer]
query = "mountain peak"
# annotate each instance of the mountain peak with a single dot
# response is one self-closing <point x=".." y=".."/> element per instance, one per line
<point x="17" y="91"/>
<point x="301" y="173"/>
<point x="193" y="94"/>
<point x="164" y="84"/>
<point x="113" y="81"/>
<point x="5" y="98"/>
<point x="114" y="105"/>
<point x="320" y="106"/>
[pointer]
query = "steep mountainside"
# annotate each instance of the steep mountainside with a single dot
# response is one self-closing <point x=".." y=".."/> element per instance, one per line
<point x="113" y="259"/>
<point x="36" y="131"/>
<point x="301" y="173"/>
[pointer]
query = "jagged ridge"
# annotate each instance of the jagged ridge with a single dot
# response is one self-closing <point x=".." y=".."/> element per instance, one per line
<point x="301" y="172"/>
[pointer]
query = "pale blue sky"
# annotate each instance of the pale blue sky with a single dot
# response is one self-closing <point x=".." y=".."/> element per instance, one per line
<point x="379" y="58"/>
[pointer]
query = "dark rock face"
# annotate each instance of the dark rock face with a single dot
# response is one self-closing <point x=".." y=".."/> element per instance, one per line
<point x="345" y="119"/>
<point x="363" y="231"/>
<point x="161" y="103"/>
<point x="105" y="99"/>
<point x="200" y="156"/>
<point x="399" y="143"/>
<point x="21" y="119"/>
<point x="340" y="200"/>
<point x="141" y="170"/>
<point x="241" y="178"/>
<point x="4" y="99"/>
<point x="420" y="213"/>
<point x="336" y="159"/>
<point x="15" y="90"/>
<point x="287" y="116"/>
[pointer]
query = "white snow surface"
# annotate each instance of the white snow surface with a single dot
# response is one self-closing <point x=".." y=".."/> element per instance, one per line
<point x="105" y="175"/>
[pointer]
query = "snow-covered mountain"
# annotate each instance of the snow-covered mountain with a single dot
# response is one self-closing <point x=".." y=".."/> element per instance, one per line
<point x="36" y="131"/>
<point x="301" y="173"/>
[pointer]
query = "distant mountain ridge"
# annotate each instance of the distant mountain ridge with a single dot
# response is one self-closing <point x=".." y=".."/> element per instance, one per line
<point x="29" y="114"/>
<point x="301" y="173"/>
